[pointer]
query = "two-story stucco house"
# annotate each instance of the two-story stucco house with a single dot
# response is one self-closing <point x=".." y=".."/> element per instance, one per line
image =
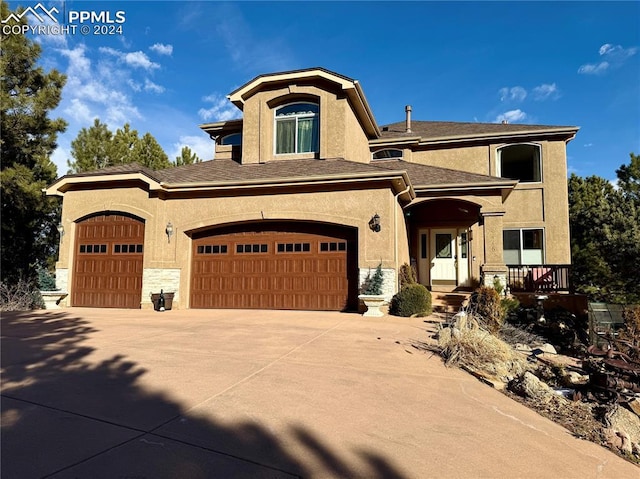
<point x="306" y="195"/>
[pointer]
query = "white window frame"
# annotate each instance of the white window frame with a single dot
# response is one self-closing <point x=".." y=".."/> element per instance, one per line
<point x="296" y="116"/>
<point x="505" y="147"/>
<point x="521" y="250"/>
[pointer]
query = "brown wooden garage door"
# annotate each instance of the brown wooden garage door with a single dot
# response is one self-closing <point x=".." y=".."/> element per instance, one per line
<point x="107" y="269"/>
<point x="275" y="266"/>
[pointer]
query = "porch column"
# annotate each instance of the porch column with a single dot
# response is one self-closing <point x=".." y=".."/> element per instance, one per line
<point x="493" y="254"/>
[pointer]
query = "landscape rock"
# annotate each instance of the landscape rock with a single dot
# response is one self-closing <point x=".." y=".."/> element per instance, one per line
<point x="626" y="425"/>
<point x="529" y="386"/>
<point x="573" y="378"/>
<point x="548" y="348"/>
<point x="634" y="405"/>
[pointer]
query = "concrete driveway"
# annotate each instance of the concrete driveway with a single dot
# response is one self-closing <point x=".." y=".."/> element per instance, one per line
<point x="90" y="393"/>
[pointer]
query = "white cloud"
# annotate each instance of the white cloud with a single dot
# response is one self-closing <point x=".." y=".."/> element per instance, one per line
<point x="58" y="40"/>
<point x="79" y="111"/>
<point x="605" y="48"/>
<point x="96" y="91"/>
<point x="613" y="56"/>
<point x="546" y="91"/>
<point x="221" y="110"/>
<point x="139" y="60"/>
<point x="516" y="93"/>
<point x="511" y="116"/>
<point x="593" y="69"/>
<point x="152" y="87"/>
<point x="161" y="49"/>
<point x="616" y="52"/>
<point x="135" y="86"/>
<point x="588" y="145"/>
<point x="200" y="145"/>
<point x="134" y="59"/>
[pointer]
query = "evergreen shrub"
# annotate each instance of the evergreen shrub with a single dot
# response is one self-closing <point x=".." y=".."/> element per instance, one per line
<point x="412" y="299"/>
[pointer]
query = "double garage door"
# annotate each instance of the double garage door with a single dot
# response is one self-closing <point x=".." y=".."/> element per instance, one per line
<point x="275" y="266"/>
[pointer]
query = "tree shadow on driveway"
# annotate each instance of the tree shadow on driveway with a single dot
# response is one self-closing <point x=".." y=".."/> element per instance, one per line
<point x="67" y="414"/>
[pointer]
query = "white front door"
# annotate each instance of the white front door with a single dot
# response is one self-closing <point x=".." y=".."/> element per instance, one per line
<point x="443" y="254"/>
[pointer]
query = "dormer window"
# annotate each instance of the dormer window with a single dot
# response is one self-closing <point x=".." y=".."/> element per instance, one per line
<point x="296" y="128"/>
<point x="388" y="154"/>
<point x="234" y="139"/>
<point x="520" y="162"/>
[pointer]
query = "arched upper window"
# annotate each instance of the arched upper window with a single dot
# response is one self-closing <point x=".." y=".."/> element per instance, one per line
<point x="234" y="139"/>
<point x="520" y="162"/>
<point x="296" y="128"/>
<point x="388" y="154"/>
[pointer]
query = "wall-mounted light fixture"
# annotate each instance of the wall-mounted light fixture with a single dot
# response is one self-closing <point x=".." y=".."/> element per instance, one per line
<point x="60" y="228"/>
<point x="169" y="231"/>
<point x="374" y="223"/>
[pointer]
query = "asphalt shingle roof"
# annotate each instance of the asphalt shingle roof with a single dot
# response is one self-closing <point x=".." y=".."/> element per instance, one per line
<point x="230" y="171"/>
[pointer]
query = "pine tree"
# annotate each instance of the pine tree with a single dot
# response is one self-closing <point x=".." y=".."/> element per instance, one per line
<point x="187" y="157"/>
<point x="27" y="95"/>
<point x="122" y="145"/>
<point x="605" y="238"/>
<point x="149" y="153"/>
<point x="92" y="149"/>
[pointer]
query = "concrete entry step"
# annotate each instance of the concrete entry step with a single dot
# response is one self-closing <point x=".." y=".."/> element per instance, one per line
<point x="449" y="302"/>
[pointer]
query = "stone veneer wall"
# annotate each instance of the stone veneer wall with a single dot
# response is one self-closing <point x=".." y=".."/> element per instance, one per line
<point x="388" y="283"/>
<point x="155" y="279"/>
<point x="62" y="279"/>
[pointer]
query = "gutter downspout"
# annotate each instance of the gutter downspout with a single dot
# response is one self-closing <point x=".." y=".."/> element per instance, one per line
<point x="395" y="228"/>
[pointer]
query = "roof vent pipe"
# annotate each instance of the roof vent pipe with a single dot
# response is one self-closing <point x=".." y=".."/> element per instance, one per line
<point x="407" y="109"/>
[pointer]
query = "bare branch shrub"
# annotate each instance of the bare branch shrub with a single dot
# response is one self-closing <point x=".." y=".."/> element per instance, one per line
<point x="466" y="344"/>
<point x="22" y="296"/>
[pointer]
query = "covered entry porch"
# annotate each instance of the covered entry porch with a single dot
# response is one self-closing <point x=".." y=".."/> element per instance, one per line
<point x="455" y="244"/>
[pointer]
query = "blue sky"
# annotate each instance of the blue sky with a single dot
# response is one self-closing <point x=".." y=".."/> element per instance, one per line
<point x="551" y="63"/>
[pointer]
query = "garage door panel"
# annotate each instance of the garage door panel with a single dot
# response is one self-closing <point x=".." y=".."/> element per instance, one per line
<point x="278" y="268"/>
<point x="108" y="262"/>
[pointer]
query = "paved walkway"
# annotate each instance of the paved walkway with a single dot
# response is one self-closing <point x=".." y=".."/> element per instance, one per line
<point x="90" y="393"/>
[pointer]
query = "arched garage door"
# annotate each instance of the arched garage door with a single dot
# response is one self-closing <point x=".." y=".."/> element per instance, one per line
<point x="107" y="270"/>
<point x="275" y="266"/>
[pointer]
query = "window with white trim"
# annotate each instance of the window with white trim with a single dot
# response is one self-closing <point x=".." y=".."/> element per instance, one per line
<point x="520" y="162"/>
<point x="296" y="128"/>
<point x="523" y="246"/>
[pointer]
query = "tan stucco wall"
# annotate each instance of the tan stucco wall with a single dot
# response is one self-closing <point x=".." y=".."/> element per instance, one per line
<point x="341" y="135"/>
<point x="545" y="204"/>
<point x="556" y="203"/>
<point x="530" y="205"/>
<point x="351" y="208"/>
<point x="474" y="159"/>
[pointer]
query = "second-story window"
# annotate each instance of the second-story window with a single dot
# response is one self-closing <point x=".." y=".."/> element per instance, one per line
<point x="520" y="162"/>
<point x="234" y="139"/>
<point x="296" y="126"/>
<point x="387" y="154"/>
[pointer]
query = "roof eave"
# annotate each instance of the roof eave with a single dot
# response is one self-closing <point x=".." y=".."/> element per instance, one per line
<point x="399" y="179"/>
<point x="63" y="184"/>
<point x="351" y="87"/>
<point x="568" y="134"/>
<point x="510" y="184"/>
<point x="214" y="129"/>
